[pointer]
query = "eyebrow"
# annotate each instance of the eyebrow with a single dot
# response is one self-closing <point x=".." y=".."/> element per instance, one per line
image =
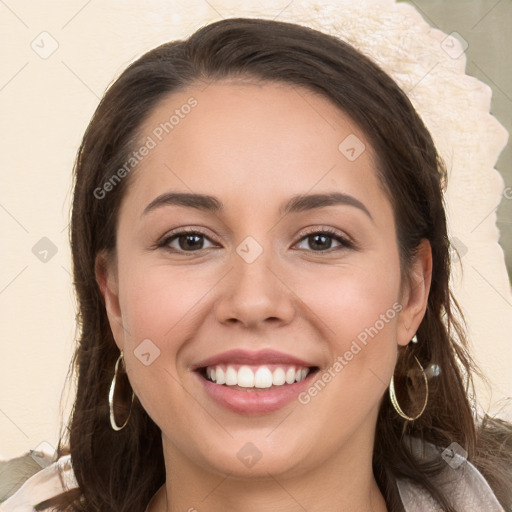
<point x="295" y="204"/>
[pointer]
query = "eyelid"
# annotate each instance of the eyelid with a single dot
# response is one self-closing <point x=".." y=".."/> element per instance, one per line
<point x="164" y="241"/>
<point x="344" y="240"/>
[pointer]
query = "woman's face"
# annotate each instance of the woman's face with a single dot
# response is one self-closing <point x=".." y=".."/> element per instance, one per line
<point x="259" y="293"/>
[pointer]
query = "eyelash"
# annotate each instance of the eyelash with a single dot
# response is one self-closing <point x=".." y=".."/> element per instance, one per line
<point x="344" y="241"/>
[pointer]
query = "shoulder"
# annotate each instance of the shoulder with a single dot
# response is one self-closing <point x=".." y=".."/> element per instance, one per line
<point x="465" y="486"/>
<point x="46" y="483"/>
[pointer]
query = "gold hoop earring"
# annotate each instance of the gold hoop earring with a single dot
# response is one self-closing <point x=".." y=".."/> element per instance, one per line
<point x="394" y="401"/>
<point x="113" y="423"/>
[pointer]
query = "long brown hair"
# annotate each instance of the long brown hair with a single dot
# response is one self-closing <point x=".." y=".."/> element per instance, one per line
<point x="120" y="471"/>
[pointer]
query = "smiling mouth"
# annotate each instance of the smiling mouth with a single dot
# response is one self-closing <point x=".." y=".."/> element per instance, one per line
<point x="256" y="377"/>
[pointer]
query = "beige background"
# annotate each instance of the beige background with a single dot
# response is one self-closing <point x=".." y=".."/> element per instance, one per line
<point x="46" y="102"/>
<point x="486" y="26"/>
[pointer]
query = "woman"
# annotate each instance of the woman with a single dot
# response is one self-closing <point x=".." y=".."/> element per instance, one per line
<point x="262" y="266"/>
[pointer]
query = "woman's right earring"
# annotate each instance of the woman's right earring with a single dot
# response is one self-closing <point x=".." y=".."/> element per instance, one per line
<point x="113" y="423"/>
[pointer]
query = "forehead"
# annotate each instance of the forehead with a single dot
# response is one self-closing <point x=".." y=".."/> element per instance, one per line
<point x="230" y="138"/>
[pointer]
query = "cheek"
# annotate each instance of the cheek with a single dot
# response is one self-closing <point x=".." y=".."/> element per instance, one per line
<point x="352" y="299"/>
<point x="356" y="309"/>
<point x="162" y="309"/>
<point x="157" y="304"/>
<point x="157" y="301"/>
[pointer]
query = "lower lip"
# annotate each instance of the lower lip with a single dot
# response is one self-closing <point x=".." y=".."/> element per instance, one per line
<point x="254" y="400"/>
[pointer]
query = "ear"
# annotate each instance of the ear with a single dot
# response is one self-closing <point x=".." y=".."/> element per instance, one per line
<point x="106" y="277"/>
<point x="415" y="290"/>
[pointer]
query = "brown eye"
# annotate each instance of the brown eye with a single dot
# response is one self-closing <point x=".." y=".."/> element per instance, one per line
<point x="190" y="242"/>
<point x="185" y="241"/>
<point x="321" y="241"/>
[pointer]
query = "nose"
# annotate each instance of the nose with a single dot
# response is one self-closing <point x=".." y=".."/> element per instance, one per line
<point x="255" y="292"/>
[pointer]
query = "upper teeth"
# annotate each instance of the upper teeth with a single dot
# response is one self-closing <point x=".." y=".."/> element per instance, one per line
<point x="259" y="377"/>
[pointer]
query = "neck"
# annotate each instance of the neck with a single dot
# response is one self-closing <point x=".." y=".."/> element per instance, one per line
<point x="345" y="479"/>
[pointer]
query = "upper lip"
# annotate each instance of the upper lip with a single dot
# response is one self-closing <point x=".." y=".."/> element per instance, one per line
<point x="239" y="356"/>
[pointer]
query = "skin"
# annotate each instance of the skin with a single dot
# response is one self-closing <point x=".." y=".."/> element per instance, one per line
<point x="253" y="146"/>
